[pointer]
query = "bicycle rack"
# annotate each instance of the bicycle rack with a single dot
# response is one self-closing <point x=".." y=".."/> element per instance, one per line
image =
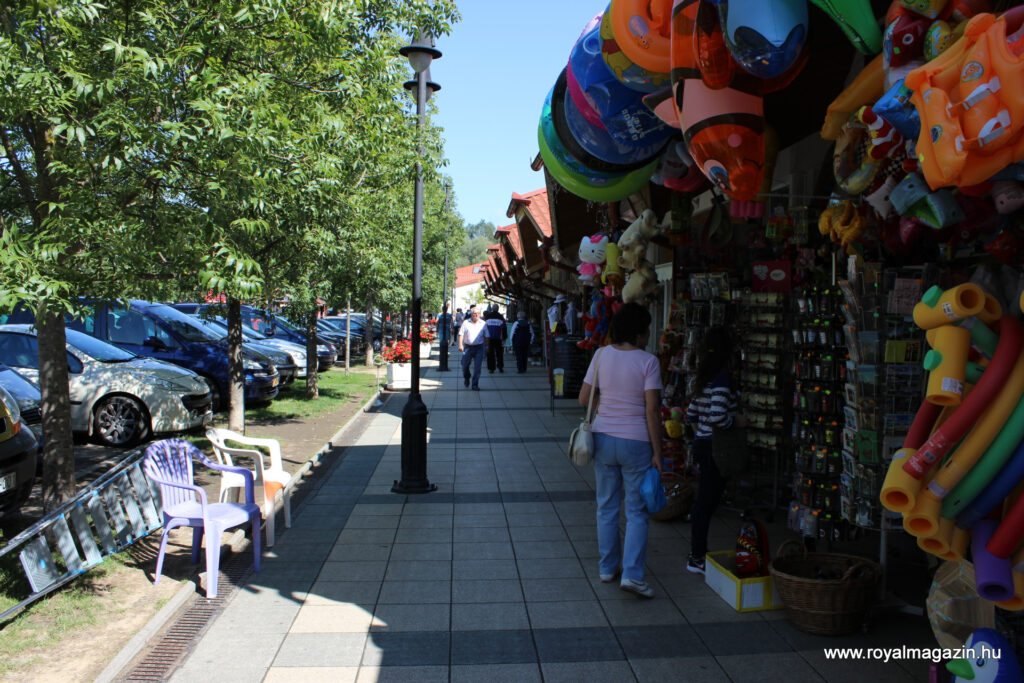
<point x="106" y="517"/>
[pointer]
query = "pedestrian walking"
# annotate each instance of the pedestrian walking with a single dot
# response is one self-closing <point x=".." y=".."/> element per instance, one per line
<point x="627" y="442"/>
<point x="714" y="406"/>
<point x="522" y="337"/>
<point x="457" y="323"/>
<point x="471" y="344"/>
<point x="496" y="334"/>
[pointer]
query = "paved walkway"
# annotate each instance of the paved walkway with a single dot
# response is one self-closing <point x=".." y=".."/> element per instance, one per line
<point x="494" y="576"/>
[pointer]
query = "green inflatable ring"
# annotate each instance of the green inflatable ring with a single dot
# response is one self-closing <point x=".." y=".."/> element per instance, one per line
<point x="596" y="189"/>
<point x="988" y="465"/>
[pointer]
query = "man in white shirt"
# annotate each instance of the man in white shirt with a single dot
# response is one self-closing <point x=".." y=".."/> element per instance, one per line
<point x="471" y="344"/>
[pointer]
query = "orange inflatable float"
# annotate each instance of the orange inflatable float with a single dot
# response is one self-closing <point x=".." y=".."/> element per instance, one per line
<point x="642" y="30"/>
<point x="971" y="102"/>
<point x="866" y="88"/>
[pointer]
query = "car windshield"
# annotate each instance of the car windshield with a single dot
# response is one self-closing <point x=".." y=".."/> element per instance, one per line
<point x="96" y="349"/>
<point x="288" y="327"/>
<point x="184" y="325"/>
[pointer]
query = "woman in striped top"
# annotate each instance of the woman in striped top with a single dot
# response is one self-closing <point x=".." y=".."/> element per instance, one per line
<point x="712" y="407"/>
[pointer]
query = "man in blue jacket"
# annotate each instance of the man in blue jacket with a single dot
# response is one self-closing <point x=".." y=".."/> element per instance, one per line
<point x="496" y="333"/>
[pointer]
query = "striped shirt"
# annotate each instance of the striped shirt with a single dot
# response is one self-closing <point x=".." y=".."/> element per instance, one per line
<point x="715" y="406"/>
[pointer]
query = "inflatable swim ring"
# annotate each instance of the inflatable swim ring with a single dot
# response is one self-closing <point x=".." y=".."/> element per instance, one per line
<point x="629" y="73"/>
<point x="641" y="30"/>
<point x="559" y="151"/>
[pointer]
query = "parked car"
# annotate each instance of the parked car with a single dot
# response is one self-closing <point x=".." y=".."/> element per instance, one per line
<point x="359" y="328"/>
<point x="282" y="360"/>
<point x="296" y="351"/>
<point x="26" y="393"/>
<point x="117" y="397"/>
<point x="164" y="333"/>
<point x="19" y="450"/>
<point x="338" y="337"/>
<point x="265" y="323"/>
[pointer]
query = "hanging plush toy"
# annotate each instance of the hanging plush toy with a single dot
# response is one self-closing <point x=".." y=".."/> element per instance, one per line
<point x="633" y="243"/>
<point x="592" y="256"/>
<point x="612" y="274"/>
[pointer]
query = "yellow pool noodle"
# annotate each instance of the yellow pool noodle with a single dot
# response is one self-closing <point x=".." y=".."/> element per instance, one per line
<point x="942" y="308"/>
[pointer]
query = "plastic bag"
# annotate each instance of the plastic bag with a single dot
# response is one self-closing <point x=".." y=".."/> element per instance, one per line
<point x="652" y="491"/>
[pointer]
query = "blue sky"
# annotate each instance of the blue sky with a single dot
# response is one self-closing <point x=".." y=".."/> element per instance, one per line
<point x="497" y="66"/>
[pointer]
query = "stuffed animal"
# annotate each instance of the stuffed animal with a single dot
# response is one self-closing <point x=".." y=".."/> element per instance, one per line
<point x="674" y="424"/>
<point x="640" y="283"/>
<point x="592" y="256"/>
<point x="612" y="275"/>
<point x="633" y="243"/>
<point x="592" y="320"/>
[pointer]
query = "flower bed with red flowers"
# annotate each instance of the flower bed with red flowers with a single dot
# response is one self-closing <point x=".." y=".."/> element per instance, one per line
<point x="427" y="334"/>
<point x="398" y="352"/>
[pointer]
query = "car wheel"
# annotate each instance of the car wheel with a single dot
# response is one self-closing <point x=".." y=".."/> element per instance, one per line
<point x="120" y="421"/>
<point x="215" y="394"/>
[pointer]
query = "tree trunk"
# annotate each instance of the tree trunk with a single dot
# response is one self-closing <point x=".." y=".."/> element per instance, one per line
<point x="368" y="331"/>
<point x="348" y="332"/>
<point x="236" y="371"/>
<point x="58" y="446"/>
<point x="312" y="380"/>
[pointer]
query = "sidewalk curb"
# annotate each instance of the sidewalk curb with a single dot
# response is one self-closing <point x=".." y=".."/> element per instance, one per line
<point x="139" y="641"/>
<point x="134" y="646"/>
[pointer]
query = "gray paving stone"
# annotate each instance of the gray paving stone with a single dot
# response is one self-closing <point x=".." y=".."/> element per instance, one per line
<point x="353" y="571"/>
<point x="260" y="618"/>
<point x="364" y="536"/>
<point x="741" y="638"/>
<point x="402" y="674"/>
<point x="470" y="570"/>
<point x="415" y="592"/>
<point x="659" y="641"/>
<point x="425" y="522"/>
<point x="712" y="609"/>
<point x="311" y="674"/>
<point x="558" y="590"/>
<point x="428" y="507"/>
<point x="419" y="570"/>
<point x="481" y="534"/>
<point x="489" y="616"/>
<point x="481" y="521"/>
<point x="574" y="614"/>
<point x="696" y="669"/>
<point x="412" y="617"/>
<point x="501" y="550"/>
<point x="421" y="551"/>
<point x="642" y="612"/>
<point x="543" y="550"/>
<point x="423" y="648"/>
<point x="771" y="665"/>
<point x="489" y="590"/>
<point x="372" y="522"/>
<point x="361" y="552"/>
<point x="577" y="645"/>
<point x="496" y="673"/>
<point x="320" y="649"/>
<point x="335" y="592"/>
<point x="592" y="672"/>
<point x="492" y="647"/>
<point x="424" y="536"/>
<point x="537" y="533"/>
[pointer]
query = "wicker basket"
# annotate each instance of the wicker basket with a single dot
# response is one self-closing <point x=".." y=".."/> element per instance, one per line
<point x="678" y="496"/>
<point x="832" y="605"/>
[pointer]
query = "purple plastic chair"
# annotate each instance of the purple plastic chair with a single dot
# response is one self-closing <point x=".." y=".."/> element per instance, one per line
<point x="169" y="464"/>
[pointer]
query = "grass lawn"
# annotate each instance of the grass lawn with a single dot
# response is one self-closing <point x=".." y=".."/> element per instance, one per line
<point x="336" y="389"/>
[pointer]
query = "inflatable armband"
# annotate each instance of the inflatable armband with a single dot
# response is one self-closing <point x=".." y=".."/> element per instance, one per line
<point x="904" y="40"/>
<point x="895" y="107"/>
<point x="924" y="8"/>
<point x="971" y="101"/>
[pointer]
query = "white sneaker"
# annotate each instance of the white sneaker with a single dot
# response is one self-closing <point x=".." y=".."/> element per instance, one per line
<point x="639" y="588"/>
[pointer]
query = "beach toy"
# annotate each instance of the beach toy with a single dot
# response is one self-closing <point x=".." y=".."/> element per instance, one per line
<point x="940" y="543"/>
<point x="895" y="107"/>
<point x="765" y="38"/>
<point x="975" y="404"/>
<point x="631" y="74"/>
<point x="557" y="149"/>
<point x="1016" y="603"/>
<point x="867" y="87"/>
<point x="899" y="490"/>
<point x="982" y="434"/>
<point x="1010" y="531"/>
<point x="857" y="21"/>
<point x="677" y="172"/>
<point x="641" y="29"/>
<point x="971" y="103"/>
<point x="993" y="660"/>
<point x="725" y="133"/>
<point x="992" y="572"/>
<point x="958" y="546"/>
<point x="715" y="62"/>
<point x="612" y="274"/>
<point x="852" y="164"/>
<point x="923" y="520"/>
<point x="993" y="478"/>
<point x="660" y="102"/>
<point x="946" y="364"/>
<point x="938" y="307"/>
<point x="904" y="41"/>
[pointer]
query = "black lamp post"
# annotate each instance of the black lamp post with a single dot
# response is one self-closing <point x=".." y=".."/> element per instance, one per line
<point x="414" y="415"/>
<point x="445" y="313"/>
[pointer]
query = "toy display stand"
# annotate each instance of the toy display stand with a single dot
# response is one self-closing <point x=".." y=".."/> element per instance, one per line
<point x="569" y="365"/>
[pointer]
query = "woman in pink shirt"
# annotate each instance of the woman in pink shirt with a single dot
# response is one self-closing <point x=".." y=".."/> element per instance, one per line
<point x="627" y="442"/>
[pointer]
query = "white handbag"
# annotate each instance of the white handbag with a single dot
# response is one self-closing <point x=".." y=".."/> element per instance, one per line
<point x="581" y="441"/>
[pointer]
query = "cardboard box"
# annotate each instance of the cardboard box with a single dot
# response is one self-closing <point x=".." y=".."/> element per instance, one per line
<point x="743" y="595"/>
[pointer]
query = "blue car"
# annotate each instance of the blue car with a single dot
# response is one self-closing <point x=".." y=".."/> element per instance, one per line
<point x="159" y="331"/>
<point x="271" y="326"/>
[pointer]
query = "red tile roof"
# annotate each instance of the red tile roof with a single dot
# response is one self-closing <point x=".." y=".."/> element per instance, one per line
<point x="536" y="204"/>
<point x="468" y="275"/>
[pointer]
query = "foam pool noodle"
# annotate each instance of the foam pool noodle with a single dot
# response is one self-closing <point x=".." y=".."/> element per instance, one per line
<point x="983" y="339"/>
<point x="972" y="407"/>
<point x="940" y="542"/>
<point x="923" y="520"/>
<point x="899" y="490"/>
<point x="958" y="546"/>
<point x="991" y="469"/>
<point x="938" y="307"/>
<point x="982" y="435"/>
<point x="1010" y="531"/>
<point x="1001" y="486"/>
<point x="992" y="573"/>
<point x="1016" y="603"/>
<point x="946" y="364"/>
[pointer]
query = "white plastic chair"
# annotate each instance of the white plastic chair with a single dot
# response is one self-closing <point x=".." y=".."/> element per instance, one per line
<point x="274" y="478"/>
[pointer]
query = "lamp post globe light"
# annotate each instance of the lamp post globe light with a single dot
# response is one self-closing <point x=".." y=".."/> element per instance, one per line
<point x="414" y="415"/>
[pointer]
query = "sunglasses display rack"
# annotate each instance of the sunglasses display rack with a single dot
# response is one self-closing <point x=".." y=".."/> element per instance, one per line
<point x="763" y="329"/>
<point x="819" y="372"/>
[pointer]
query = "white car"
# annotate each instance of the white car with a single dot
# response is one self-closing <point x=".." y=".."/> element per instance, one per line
<point x="117" y="397"/>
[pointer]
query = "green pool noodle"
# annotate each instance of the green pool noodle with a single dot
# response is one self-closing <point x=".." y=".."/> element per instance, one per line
<point x="991" y="461"/>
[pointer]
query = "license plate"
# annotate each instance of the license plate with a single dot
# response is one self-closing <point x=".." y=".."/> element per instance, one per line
<point x="274" y="381"/>
<point x="7" y="482"/>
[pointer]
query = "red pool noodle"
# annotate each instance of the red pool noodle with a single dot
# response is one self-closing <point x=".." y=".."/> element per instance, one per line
<point x="987" y="388"/>
<point x="921" y="427"/>
<point x="1010" y="531"/>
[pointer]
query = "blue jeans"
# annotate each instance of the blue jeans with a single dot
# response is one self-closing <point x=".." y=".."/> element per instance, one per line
<point x="617" y="462"/>
<point x="476" y="355"/>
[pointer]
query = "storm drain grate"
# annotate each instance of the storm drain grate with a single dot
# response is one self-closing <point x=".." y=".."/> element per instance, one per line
<point x="178" y="640"/>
